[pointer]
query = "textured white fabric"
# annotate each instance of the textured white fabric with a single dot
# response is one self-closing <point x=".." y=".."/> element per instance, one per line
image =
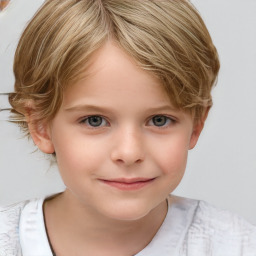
<point x="191" y="228"/>
<point x="9" y="230"/>
<point x="33" y="236"/>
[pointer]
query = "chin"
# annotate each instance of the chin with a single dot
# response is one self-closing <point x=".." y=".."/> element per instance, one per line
<point x="129" y="212"/>
<point x="129" y="216"/>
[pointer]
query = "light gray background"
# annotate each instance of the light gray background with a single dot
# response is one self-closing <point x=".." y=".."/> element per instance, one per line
<point x="221" y="169"/>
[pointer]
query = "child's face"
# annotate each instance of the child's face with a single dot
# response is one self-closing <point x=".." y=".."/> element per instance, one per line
<point x="121" y="147"/>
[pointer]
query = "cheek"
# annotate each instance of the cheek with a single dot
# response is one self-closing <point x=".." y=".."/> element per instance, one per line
<point x="171" y="156"/>
<point x="79" y="154"/>
<point x="173" y="162"/>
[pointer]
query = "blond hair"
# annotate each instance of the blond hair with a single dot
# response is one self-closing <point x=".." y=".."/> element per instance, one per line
<point x="166" y="37"/>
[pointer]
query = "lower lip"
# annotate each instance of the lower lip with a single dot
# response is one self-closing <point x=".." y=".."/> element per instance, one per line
<point x="128" y="186"/>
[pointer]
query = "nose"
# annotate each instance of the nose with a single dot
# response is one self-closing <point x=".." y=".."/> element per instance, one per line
<point x="128" y="148"/>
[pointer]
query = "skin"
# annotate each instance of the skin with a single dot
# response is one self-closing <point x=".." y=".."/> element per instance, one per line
<point x="121" y="149"/>
<point x="3" y="4"/>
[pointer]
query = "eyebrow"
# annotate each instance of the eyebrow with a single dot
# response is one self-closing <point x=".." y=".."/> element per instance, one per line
<point x="86" y="107"/>
<point x="82" y="107"/>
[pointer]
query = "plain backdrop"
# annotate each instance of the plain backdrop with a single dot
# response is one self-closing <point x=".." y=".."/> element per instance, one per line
<point x="222" y="167"/>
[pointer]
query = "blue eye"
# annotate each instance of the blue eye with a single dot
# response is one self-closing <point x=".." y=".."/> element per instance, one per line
<point x="94" y="121"/>
<point x="160" y="121"/>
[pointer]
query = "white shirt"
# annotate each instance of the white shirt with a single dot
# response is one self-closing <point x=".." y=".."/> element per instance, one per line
<point x="191" y="228"/>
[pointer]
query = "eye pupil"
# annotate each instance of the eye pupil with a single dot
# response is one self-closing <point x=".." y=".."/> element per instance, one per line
<point x="159" y="120"/>
<point x="95" y="121"/>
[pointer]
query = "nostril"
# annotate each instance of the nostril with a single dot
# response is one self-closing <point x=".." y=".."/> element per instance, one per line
<point x="3" y="4"/>
<point x="128" y="161"/>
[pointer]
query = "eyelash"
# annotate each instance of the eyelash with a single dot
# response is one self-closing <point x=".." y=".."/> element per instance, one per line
<point x="85" y="121"/>
<point x="168" y="119"/>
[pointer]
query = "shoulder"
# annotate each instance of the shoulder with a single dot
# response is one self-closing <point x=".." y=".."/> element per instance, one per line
<point x="214" y="231"/>
<point x="9" y="231"/>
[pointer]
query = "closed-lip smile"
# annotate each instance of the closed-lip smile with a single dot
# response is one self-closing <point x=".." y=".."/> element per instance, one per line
<point x="128" y="184"/>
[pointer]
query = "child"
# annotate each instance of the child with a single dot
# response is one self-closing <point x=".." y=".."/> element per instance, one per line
<point x="117" y="92"/>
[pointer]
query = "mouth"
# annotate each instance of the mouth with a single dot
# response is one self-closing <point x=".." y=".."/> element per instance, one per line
<point x="128" y="184"/>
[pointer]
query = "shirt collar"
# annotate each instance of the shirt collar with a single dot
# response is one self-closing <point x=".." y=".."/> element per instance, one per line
<point x="33" y="236"/>
<point x="167" y="241"/>
<point x="170" y="236"/>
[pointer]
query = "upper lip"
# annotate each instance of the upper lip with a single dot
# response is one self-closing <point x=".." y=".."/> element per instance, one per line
<point x="128" y="180"/>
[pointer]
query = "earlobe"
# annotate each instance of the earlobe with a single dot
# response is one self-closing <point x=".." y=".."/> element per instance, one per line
<point x="40" y="133"/>
<point x="198" y="127"/>
<point x="195" y="134"/>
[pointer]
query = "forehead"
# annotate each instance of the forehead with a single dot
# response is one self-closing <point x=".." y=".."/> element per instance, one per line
<point x="114" y="75"/>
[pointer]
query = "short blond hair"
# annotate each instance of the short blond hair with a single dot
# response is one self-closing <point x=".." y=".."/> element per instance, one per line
<point x="166" y="37"/>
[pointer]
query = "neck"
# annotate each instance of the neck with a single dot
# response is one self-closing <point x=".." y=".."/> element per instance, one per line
<point x="90" y="229"/>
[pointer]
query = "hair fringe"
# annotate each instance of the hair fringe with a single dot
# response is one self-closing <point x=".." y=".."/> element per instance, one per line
<point x="167" y="38"/>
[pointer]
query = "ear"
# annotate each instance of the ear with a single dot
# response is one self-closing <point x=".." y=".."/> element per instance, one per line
<point x="40" y="134"/>
<point x="39" y="131"/>
<point x="198" y="127"/>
